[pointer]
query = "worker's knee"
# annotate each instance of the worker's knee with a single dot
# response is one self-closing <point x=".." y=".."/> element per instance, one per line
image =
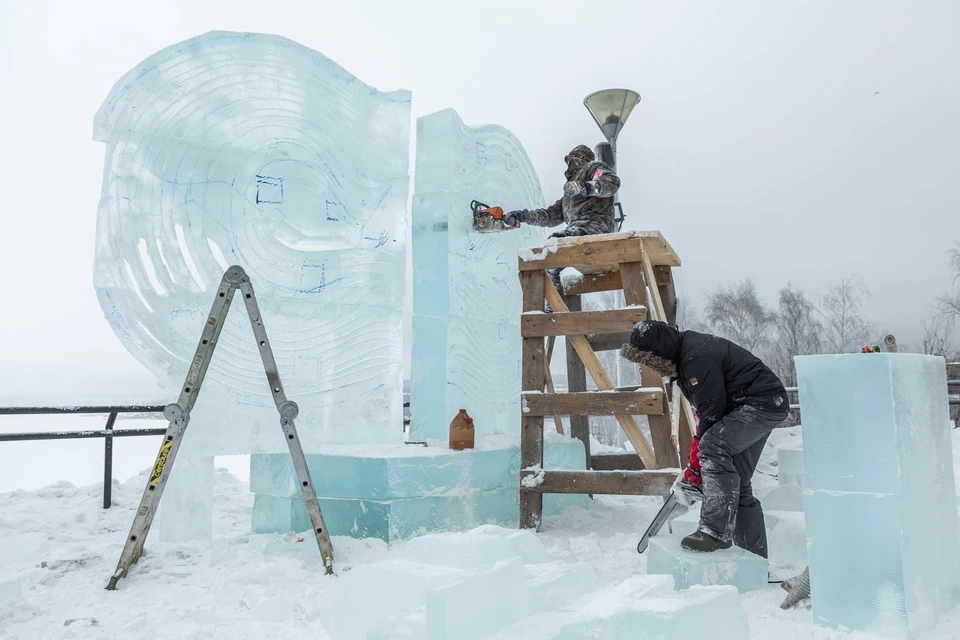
<point x="713" y="453"/>
<point x="712" y="445"/>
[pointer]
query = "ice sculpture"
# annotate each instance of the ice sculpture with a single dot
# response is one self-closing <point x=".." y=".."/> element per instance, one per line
<point x="466" y="292"/>
<point x="249" y="149"/>
<point x="880" y="501"/>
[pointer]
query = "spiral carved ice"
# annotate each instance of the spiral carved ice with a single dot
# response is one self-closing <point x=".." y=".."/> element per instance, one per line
<point x="466" y="291"/>
<point x="236" y="148"/>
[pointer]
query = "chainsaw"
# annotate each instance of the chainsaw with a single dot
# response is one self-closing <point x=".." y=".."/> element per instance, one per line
<point x="487" y="219"/>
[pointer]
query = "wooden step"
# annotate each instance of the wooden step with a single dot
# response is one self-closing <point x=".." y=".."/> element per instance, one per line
<point x="593" y="403"/>
<point x="566" y="323"/>
<point x="622" y="483"/>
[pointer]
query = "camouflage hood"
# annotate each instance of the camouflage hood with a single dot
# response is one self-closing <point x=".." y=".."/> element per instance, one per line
<point x="577" y="160"/>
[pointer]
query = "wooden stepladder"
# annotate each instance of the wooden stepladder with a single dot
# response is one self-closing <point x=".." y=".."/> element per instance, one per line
<point x="636" y="262"/>
<point x="178" y="415"/>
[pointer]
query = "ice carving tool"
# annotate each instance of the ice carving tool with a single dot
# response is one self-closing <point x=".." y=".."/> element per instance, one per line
<point x="682" y="497"/>
<point x="178" y="415"/>
<point x="487" y="219"/>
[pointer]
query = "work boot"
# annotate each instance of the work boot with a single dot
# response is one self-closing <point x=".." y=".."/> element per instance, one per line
<point x="704" y="542"/>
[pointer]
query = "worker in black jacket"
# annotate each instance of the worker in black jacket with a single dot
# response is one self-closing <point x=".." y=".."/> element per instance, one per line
<point x="739" y="401"/>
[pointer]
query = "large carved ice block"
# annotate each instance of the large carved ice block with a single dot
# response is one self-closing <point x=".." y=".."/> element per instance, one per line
<point x="466" y="291"/>
<point x="880" y="501"/>
<point x="250" y="149"/>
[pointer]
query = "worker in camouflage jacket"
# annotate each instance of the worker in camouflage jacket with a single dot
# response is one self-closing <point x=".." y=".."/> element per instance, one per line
<point x="586" y="205"/>
<point x="587" y="202"/>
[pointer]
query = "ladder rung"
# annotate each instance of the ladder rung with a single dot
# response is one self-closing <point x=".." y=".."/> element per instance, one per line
<point x="569" y="323"/>
<point x="594" y="403"/>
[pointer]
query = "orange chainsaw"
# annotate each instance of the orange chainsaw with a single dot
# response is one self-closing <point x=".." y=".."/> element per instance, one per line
<point x="487" y="219"/>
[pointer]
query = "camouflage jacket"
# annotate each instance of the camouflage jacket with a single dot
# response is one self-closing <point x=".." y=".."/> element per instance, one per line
<point x="584" y="215"/>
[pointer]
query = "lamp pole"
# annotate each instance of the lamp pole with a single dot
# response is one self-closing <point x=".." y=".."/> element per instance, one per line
<point x="610" y="109"/>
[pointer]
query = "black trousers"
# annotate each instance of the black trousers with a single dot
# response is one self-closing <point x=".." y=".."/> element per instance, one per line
<point x="729" y="453"/>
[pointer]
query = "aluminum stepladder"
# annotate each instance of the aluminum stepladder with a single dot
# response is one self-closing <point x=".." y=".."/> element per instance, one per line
<point x="178" y="414"/>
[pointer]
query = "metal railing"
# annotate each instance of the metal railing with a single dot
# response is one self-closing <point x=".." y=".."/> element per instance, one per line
<point x="108" y="433"/>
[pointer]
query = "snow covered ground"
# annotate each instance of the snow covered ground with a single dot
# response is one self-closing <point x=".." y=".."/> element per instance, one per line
<point x="58" y="549"/>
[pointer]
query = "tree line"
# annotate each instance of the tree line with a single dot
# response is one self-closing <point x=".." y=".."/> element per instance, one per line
<point x="804" y="324"/>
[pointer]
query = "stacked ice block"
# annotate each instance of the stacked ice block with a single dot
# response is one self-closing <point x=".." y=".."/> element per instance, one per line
<point x="880" y="501"/>
<point x="466" y="291"/>
<point x="397" y="492"/>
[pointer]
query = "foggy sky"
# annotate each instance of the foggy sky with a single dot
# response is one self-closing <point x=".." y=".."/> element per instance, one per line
<point x="800" y="143"/>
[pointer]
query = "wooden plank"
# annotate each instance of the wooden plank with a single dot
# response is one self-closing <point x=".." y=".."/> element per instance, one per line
<point x="577" y="381"/>
<point x="634" y="283"/>
<point x="668" y="293"/>
<point x="623" y="483"/>
<point x="617" y="462"/>
<point x="531" y="427"/>
<point x="664" y="446"/>
<point x="608" y="341"/>
<point x="661" y="314"/>
<point x="601" y="378"/>
<point x="661" y="431"/>
<point x="563" y="323"/>
<point x="548" y="379"/>
<point x="593" y="283"/>
<point x="583" y="251"/>
<point x="659" y="250"/>
<point x="531" y="286"/>
<point x="593" y="403"/>
<point x="685" y="431"/>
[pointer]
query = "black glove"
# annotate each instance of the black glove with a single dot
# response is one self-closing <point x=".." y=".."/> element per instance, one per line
<point x="578" y="187"/>
<point x="513" y="218"/>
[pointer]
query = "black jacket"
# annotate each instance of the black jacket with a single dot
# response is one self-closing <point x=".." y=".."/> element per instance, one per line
<point x="716" y="375"/>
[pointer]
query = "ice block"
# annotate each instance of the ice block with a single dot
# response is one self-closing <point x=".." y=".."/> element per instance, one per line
<point x="370" y="592"/>
<point x="734" y="566"/>
<point x="466" y="289"/>
<point x="698" y="612"/>
<point x="186" y="506"/>
<point x="880" y="500"/>
<point x="790" y="466"/>
<point x="478" y="606"/>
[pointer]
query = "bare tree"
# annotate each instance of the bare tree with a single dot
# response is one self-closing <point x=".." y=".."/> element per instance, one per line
<point x="841" y="311"/>
<point x="737" y="314"/>
<point x="937" y="335"/>
<point x="687" y="316"/>
<point x="949" y="303"/>
<point x="798" y="332"/>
